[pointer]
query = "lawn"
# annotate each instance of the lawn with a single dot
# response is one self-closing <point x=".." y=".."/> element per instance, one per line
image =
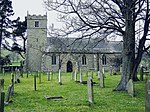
<point x="75" y="95"/>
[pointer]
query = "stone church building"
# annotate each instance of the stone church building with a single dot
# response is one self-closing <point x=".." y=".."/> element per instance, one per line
<point x="53" y="53"/>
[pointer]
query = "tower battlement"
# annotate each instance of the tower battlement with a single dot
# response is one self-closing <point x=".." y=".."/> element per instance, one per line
<point x="36" y="17"/>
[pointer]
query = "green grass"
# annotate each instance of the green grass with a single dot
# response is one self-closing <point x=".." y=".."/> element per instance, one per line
<point x="74" y="96"/>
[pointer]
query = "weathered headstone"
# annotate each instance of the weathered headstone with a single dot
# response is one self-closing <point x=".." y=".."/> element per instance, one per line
<point x="81" y="76"/>
<point x="12" y="82"/>
<point x="17" y="75"/>
<point x="1" y="84"/>
<point x="98" y="74"/>
<point x="141" y="73"/>
<point x="102" y="81"/>
<point x="92" y="74"/>
<point x="2" y="97"/>
<point x="103" y="70"/>
<point x="111" y="70"/>
<point x="48" y="75"/>
<point x="120" y="68"/>
<point x="8" y="94"/>
<point x="59" y="78"/>
<point x="11" y="69"/>
<point x="40" y="77"/>
<point x="147" y="97"/>
<point x="3" y="70"/>
<point x="35" y="81"/>
<point x="21" y="71"/>
<point x="37" y="73"/>
<point x="27" y="73"/>
<point x="54" y="98"/>
<point x="90" y="91"/>
<point x="130" y="88"/>
<point x="51" y="75"/>
<point x="86" y="73"/>
<point x="75" y="75"/>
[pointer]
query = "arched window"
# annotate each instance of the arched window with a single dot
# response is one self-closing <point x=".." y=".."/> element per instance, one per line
<point x="104" y="60"/>
<point x="53" y="59"/>
<point x="83" y="60"/>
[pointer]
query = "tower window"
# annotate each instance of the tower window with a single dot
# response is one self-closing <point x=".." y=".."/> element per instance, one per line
<point x="83" y="60"/>
<point x="36" y="23"/>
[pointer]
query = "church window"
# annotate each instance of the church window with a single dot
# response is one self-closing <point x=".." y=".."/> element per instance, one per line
<point x="53" y="59"/>
<point x="104" y="60"/>
<point x="83" y="60"/>
<point x="36" y="23"/>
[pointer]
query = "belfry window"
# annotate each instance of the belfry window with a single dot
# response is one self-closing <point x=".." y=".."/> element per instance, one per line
<point x="83" y="60"/>
<point x="36" y="23"/>
<point x="53" y="59"/>
<point x="104" y="60"/>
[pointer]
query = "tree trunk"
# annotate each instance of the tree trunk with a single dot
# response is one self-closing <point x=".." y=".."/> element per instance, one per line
<point x="128" y="49"/>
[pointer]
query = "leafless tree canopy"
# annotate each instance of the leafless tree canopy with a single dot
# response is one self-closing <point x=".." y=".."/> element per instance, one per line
<point x="98" y="18"/>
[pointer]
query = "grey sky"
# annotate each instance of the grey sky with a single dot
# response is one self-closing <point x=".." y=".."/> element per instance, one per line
<point x="37" y="7"/>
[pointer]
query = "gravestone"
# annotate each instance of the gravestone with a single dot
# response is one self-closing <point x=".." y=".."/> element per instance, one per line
<point x="120" y="68"/>
<point x="81" y="76"/>
<point x="147" y="97"/>
<point x="7" y="100"/>
<point x="48" y="75"/>
<point x="141" y="73"/>
<point x="3" y="70"/>
<point x="111" y="70"/>
<point x="130" y="88"/>
<point x="86" y="73"/>
<point x="103" y="70"/>
<point x="40" y="77"/>
<point x="21" y="71"/>
<point x="90" y="91"/>
<point x="59" y="78"/>
<point x="1" y="84"/>
<point x="75" y="75"/>
<point x="92" y="74"/>
<point x="101" y="80"/>
<point x="51" y="75"/>
<point x="98" y="74"/>
<point x="29" y="72"/>
<point x="35" y="81"/>
<point x="54" y="97"/>
<point x="17" y="75"/>
<point x="12" y="82"/>
<point x="37" y="73"/>
<point x="2" y="97"/>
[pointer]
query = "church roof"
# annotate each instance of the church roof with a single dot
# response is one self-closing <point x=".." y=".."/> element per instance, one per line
<point x="82" y="45"/>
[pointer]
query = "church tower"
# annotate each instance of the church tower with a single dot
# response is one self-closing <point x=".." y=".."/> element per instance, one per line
<point x="36" y="41"/>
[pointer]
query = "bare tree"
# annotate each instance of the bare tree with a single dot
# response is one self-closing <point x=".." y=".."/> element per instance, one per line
<point x="103" y="18"/>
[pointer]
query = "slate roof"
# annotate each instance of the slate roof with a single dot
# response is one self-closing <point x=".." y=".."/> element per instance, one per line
<point x="79" y="45"/>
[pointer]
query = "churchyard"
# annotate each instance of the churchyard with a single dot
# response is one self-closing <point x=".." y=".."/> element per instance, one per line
<point x="48" y="93"/>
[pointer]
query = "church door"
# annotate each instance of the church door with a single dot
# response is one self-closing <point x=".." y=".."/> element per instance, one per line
<point x="69" y="66"/>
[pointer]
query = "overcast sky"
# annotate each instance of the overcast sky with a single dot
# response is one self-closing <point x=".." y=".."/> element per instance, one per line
<point x="37" y="7"/>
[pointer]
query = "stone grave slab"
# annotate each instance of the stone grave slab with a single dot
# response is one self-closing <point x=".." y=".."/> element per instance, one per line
<point x="130" y="88"/>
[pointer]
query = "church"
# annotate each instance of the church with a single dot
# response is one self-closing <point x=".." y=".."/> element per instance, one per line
<point x="52" y="53"/>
